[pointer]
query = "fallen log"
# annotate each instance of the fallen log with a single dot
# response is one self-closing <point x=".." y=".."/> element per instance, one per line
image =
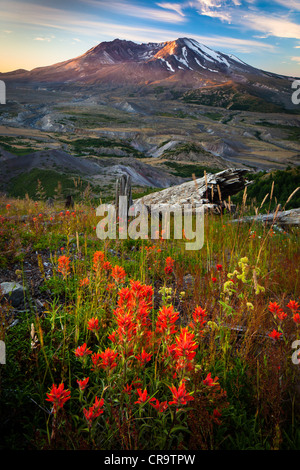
<point x="210" y="190"/>
<point x="290" y="217"/>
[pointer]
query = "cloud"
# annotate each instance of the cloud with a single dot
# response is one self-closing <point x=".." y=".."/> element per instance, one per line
<point x="296" y="59"/>
<point x="42" y="39"/>
<point x="290" y="4"/>
<point x="87" y="26"/>
<point x="149" y="13"/>
<point x="223" y="16"/>
<point x="172" y="6"/>
<point x="271" y="25"/>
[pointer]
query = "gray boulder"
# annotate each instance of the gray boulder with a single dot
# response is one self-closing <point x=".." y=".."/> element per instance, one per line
<point x="13" y="292"/>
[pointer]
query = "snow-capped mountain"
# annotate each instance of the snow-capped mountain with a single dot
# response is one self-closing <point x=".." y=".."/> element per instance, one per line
<point x="184" y="66"/>
<point x="121" y="61"/>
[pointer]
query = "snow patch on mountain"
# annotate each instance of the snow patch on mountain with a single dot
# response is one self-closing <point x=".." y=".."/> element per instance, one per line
<point x="167" y="64"/>
<point x="205" y="51"/>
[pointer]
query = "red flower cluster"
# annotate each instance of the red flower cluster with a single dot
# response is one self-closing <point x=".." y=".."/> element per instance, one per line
<point x="84" y="282"/>
<point x="58" y="396"/>
<point x="105" y="360"/>
<point x="132" y="318"/>
<point x="293" y="305"/>
<point x="275" y="335"/>
<point x="98" y="260"/>
<point x="277" y="311"/>
<point x="93" y="325"/>
<point x="180" y="395"/>
<point x="159" y="406"/>
<point x="185" y="346"/>
<point x="281" y="315"/>
<point x="82" y="384"/>
<point x="199" y="319"/>
<point x="169" y="265"/>
<point x="64" y="265"/>
<point x="144" y="357"/>
<point x="118" y="273"/>
<point x="166" y="320"/>
<point x="143" y="396"/>
<point x="94" y="411"/>
<point x="82" y="351"/>
<point x="210" y="381"/>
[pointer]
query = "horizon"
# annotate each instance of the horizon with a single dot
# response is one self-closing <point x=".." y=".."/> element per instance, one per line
<point x="264" y="34"/>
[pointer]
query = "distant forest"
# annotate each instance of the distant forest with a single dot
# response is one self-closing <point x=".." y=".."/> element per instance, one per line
<point x="285" y="182"/>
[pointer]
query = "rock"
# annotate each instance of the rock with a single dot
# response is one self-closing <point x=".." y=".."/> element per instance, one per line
<point x="188" y="281"/>
<point x="13" y="292"/>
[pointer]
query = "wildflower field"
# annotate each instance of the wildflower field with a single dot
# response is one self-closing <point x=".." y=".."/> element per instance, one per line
<point x="143" y="345"/>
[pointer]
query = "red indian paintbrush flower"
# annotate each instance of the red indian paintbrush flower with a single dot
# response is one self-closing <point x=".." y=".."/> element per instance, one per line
<point x="277" y="310"/>
<point x="109" y="359"/>
<point x="127" y="389"/>
<point x="64" y="265"/>
<point x="143" y="396"/>
<point x="180" y="395"/>
<point x="107" y="266"/>
<point x="98" y="260"/>
<point x="296" y="318"/>
<point x="104" y="360"/>
<point x="293" y="305"/>
<point x="185" y="346"/>
<point x="84" y="282"/>
<point x="275" y="335"/>
<point x="159" y="406"/>
<point x="118" y="273"/>
<point x="169" y="265"/>
<point x="166" y="320"/>
<point x="58" y="396"/>
<point x="143" y="357"/>
<point x="216" y="415"/>
<point x="94" y="411"/>
<point x="82" y="384"/>
<point x="198" y="316"/>
<point x="210" y="381"/>
<point x="82" y="351"/>
<point x="93" y="325"/>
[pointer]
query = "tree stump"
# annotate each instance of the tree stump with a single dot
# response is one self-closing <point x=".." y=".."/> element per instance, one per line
<point x="123" y="188"/>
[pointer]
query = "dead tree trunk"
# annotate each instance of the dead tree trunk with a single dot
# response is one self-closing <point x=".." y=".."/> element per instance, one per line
<point x="123" y="188"/>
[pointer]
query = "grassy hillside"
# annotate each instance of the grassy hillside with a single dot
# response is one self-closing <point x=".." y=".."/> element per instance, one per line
<point x="233" y="97"/>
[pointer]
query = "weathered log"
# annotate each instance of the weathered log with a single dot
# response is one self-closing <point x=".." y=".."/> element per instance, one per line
<point x="290" y="217"/>
<point x="211" y="190"/>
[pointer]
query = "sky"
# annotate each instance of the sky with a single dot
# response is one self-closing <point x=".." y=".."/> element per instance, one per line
<point x="264" y="34"/>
